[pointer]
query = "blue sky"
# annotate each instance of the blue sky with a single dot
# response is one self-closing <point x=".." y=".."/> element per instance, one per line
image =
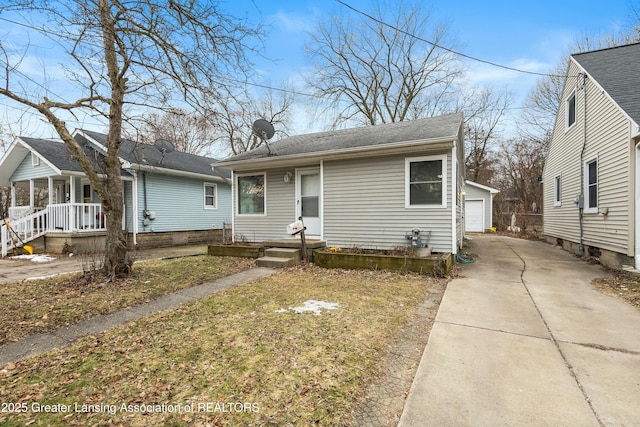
<point x="532" y="35"/>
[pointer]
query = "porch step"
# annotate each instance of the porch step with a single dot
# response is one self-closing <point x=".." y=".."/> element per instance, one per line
<point x="279" y="257"/>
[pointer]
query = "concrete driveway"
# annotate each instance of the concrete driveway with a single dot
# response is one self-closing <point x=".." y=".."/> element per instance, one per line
<point x="522" y="338"/>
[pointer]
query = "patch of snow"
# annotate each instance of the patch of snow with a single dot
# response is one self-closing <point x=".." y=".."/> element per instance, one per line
<point x="312" y="306"/>
<point x="35" y="258"/>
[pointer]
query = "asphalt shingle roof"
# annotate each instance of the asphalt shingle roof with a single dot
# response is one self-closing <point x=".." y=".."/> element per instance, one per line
<point x="616" y="69"/>
<point x="59" y="155"/>
<point x="148" y="154"/>
<point x="370" y="136"/>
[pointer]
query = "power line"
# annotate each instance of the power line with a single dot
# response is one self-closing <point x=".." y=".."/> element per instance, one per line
<point x="473" y="58"/>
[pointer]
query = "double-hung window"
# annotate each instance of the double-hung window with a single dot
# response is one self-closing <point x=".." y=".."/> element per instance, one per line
<point x="426" y="182"/>
<point x="571" y="110"/>
<point x="591" y="186"/>
<point x="210" y="196"/>
<point x="251" y="194"/>
<point x="557" y="191"/>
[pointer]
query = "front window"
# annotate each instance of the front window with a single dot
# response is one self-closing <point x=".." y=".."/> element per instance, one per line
<point x="251" y="194"/>
<point x="426" y="181"/>
<point x="210" y="196"/>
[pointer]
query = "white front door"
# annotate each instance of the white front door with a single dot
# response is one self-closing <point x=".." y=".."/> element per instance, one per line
<point x="308" y="200"/>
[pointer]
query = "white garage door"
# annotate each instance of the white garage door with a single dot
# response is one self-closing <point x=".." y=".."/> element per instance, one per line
<point x="473" y="221"/>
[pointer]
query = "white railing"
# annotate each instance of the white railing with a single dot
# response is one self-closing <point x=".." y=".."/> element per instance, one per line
<point x="16" y="212"/>
<point x="76" y="217"/>
<point x="57" y="218"/>
<point x="23" y="230"/>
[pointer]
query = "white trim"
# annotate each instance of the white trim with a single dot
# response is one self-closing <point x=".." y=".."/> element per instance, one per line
<point x="588" y="209"/>
<point x="572" y="94"/>
<point x="407" y="191"/>
<point x="482" y="187"/>
<point x="557" y="190"/>
<point x="240" y="175"/>
<point x="298" y="189"/>
<point x="322" y="199"/>
<point x="454" y="203"/>
<point x="215" y="195"/>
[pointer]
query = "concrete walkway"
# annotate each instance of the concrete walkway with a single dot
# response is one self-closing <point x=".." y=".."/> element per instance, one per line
<point x="40" y="343"/>
<point x="523" y="339"/>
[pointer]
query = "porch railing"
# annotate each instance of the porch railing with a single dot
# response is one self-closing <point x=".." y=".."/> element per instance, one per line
<point x="56" y="218"/>
<point x="75" y="217"/>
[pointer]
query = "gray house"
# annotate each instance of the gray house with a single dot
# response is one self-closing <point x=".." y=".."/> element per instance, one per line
<point x="478" y="207"/>
<point x="592" y="173"/>
<point x="363" y="187"/>
<point x="170" y="198"/>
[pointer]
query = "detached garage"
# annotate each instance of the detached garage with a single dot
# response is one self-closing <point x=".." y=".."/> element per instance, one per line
<point x="478" y="207"/>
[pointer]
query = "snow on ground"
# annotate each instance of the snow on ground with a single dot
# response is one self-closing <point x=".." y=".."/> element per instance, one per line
<point x="35" y="258"/>
<point x="312" y="306"/>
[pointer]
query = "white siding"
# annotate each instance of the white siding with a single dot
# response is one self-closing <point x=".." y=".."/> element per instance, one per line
<point x="364" y="205"/>
<point x="608" y="140"/>
<point x="280" y="209"/>
<point x="474" y="193"/>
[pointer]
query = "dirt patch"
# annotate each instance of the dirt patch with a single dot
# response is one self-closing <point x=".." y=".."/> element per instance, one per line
<point x="384" y="400"/>
<point x="622" y="286"/>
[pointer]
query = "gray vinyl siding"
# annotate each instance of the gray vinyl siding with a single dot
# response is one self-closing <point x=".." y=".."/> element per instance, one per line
<point x="473" y="193"/>
<point x="364" y="205"/>
<point x="608" y="141"/>
<point x="27" y="171"/>
<point x="280" y="208"/>
<point x="178" y="203"/>
<point x="461" y="185"/>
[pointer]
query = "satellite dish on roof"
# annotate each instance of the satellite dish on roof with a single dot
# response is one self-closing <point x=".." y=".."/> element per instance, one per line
<point x="164" y="147"/>
<point x="263" y="129"/>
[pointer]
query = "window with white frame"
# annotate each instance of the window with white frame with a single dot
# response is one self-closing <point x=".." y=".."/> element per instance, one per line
<point x="425" y="181"/>
<point x="35" y="160"/>
<point x="591" y="186"/>
<point x="557" y="191"/>
<point x="251" y="194"/>
<point x="210" y="196"/>
<point x="571" y="110"/>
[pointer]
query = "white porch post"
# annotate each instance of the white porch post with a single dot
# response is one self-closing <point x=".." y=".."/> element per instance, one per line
<point x="134" y="207"/>
<point x="50" y="188"/>
<point x="13" y="194"/>
<point x="32" y="195"/>
<point x="72" y="201"/>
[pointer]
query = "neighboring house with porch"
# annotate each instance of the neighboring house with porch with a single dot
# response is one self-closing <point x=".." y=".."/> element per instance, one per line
<point x="365" y="187"/>
<point x="592" y="174"/>
<point x="169" y="197"/>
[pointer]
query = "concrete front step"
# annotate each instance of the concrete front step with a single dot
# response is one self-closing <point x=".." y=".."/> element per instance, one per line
<point x="292" y="253"/>
<point x="275" y="262"/>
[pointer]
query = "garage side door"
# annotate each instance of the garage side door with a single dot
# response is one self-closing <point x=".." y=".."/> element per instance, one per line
<point x="474" y="216"/>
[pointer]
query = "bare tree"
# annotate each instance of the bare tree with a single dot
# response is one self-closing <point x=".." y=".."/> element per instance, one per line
<point x="237" y="113"/>
<point x="371" y="72"/>
<point x="484" y="110"/>
<point x="121" y="55"/>
<point x="190" y="132"/>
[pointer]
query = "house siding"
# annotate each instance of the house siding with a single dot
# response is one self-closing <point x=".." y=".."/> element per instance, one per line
<point x="280" y="208"/>
<point x="27" y="171"/>
<point x="364" y="205"/>
<point x="178" y="204"/>
<point x="608" y="141"/>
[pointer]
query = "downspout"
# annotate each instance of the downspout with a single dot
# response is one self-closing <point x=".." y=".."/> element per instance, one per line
<point x="584" y="146"/>
<point x="637" y="206"/>
<point x="144" y="193"/>
<point x="134" y="207"/>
